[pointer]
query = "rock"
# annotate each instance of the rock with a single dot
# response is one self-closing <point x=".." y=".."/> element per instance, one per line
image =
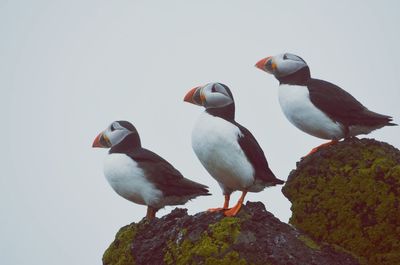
<point x="254" y="236"/>
<point x="348" y="195"/>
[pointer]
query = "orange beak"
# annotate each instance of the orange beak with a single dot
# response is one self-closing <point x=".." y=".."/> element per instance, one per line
<point x="266" y="65"/>
<point x="96" y="142"/>
<point x="190" y="96"/>
<point x="101" y="141"/>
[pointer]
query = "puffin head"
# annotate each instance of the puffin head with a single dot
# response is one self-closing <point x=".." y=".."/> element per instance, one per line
<point x="114" y="134"/>
<point x="212" y="95"/>
<point x="282" y="65"/>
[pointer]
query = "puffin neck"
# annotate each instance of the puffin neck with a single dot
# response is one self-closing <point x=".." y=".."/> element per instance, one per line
<point x="129" y="143"/>
<point x="226" y="113"/>
<point x="300" y="77"/>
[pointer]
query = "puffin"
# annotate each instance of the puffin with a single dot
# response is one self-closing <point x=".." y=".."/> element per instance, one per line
<point x="141" y="176"/>
<point x="318" y="107"/>
<point x="227" y="150"/>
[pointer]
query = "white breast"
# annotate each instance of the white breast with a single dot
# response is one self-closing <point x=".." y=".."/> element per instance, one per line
<point x="215" y="142"/>
<point x="298" y="108"/>
<point x="128" y="180"/>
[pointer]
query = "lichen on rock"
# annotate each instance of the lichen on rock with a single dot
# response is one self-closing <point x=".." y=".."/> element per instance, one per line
<point x="349" y="195"/>
<point x="119" y="252"/>
<point x="213" y="246"/>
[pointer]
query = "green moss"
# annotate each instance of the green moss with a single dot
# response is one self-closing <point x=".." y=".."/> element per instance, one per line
<point x="119" y="253"/>
<point x="349" y="195"/>
<point x="213" y="247"/>
<point x="309" y="242"/>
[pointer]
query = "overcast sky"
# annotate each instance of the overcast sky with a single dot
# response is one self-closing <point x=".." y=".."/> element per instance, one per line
<point x="69" y="68"/>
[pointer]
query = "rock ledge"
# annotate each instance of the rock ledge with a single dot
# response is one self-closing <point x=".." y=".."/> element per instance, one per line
<point x="255" y="236"/>
<point x="348" y="194"/>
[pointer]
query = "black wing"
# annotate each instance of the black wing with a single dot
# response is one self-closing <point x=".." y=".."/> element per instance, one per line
<point x="256" y="156"/>
<point x="164" y="176"/>
<point x="341" y="106"/>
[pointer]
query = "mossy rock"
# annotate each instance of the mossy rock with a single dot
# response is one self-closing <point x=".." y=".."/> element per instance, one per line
<point x="213" y="246"/>
<point x="119" y="252"/>
<point x="348" y="194"/>
<point x="254" y="236"/>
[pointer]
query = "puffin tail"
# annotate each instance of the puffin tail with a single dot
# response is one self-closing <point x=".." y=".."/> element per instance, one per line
<point x="273" y="179"/>
<point x="389" y="121"/>
<point x="278" y="182"/>
<point x="370" y="118"/>
<point x="194" y="188"/>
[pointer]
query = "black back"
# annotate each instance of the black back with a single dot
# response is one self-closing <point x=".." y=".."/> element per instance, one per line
<point x="164" y="176"/>
<point x="249" y="145"/>
<point x="157" y="170"/>
<point x="335" y="102"/>
<point x="341" y="106"/>
<point x="256" y="156"/>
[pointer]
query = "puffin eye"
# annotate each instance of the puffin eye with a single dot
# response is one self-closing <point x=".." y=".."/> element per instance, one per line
<point x="289" y="56"/>
<point x="112" y="127"/>
<point x="213" y="89"/>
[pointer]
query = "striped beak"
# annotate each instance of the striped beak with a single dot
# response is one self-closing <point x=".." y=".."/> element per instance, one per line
<point x="267" y="65"/>
<point x="101" y="141"/>
<point x="195" y="96"/>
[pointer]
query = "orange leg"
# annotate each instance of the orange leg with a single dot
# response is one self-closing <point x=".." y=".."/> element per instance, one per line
<point x="225" y="207"/>
<point x="315" y="149"/>
<point x="235" y="209"/>
<point x="151" y="213"/>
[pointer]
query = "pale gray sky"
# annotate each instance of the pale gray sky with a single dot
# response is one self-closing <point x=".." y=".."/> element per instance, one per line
<point x="69" y="68"/>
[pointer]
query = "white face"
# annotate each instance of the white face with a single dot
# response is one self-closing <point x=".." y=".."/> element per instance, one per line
<point x="286" y="64"/>
<point x="115" y="133"/>
<point x="215" y="95"/>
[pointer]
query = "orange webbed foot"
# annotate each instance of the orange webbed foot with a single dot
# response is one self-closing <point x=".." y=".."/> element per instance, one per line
<point x="213" y="210"/>
<point x="235" y="210"/>
<point x="315" y="149"/>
